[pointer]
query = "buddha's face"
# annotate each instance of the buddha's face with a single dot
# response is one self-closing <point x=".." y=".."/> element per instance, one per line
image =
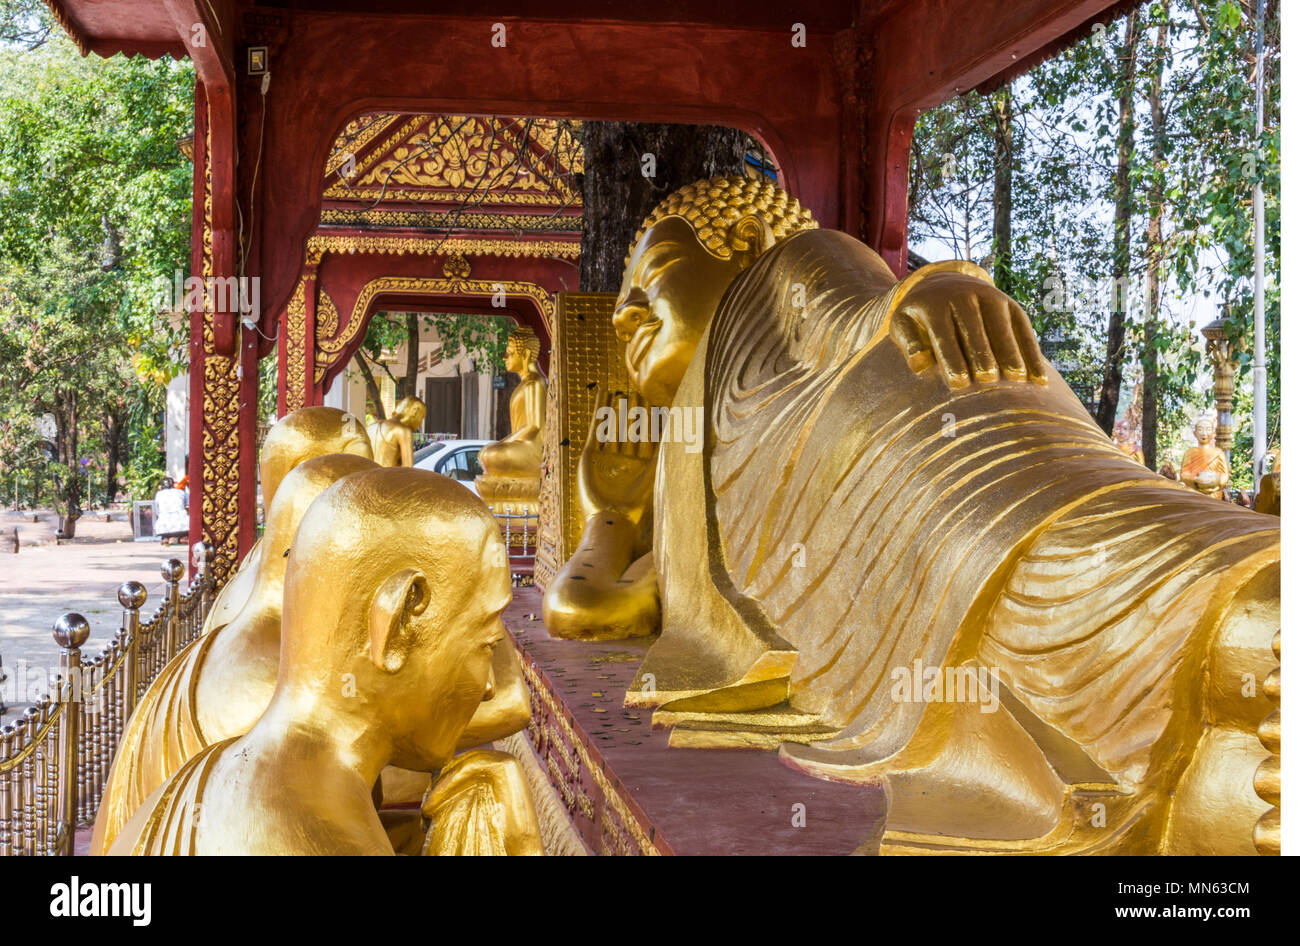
<point x="1204" y="432"/>
<point x="516" y="358"/>
<point x="1122" y="431"/>
<point x="671" y="288"/>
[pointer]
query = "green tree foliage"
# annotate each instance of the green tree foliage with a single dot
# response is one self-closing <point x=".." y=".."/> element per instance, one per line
<point x="1193" y="174"/>
<point x="94" y="220"/>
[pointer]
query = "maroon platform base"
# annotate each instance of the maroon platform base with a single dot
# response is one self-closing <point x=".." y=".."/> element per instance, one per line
<point x="628" y="793"/>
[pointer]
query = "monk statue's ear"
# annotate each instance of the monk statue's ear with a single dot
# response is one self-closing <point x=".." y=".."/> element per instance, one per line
<point x="402" y="595"/>
<point x="750" y="236"/>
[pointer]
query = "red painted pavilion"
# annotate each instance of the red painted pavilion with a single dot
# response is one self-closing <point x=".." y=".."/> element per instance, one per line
<point x="304" y="179"/>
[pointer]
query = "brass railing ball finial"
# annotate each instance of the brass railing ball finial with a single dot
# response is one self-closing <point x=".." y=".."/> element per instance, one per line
<point x="71" y="630"/>
<point x="172" y="570"/>
<point x="131" y="595"/>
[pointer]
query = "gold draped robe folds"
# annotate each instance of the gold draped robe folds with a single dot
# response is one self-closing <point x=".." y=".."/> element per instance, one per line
<point x="161" y="735"/>
<point x="852" y="521"/>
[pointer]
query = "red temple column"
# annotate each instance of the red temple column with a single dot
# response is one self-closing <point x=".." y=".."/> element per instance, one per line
<point x="223" y="359"/>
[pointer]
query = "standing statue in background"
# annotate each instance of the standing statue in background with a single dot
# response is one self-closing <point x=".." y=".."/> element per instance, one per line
<point x="383" y="663"/>
<point x="512" y="466"/>
<point x="903" y="551"/>
<point x="1205" y="467"/>
<point x="1126" y="439"/>
<point x="392" y="440"/>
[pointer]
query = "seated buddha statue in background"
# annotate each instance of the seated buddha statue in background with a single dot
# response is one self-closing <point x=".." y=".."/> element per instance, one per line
<point x="392" y="441"/>
<point x="1205" y="467"/>
<point x="512" y="466"/>
<point x="295" y="438"/>
<point x="904" y="551"/>
<point x="1126" y="439"/>
<point x="383" y="662"/>
<point x="219" y="685"/>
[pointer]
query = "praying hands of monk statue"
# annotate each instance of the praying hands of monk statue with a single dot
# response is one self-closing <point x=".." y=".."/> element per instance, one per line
<point x="893" y="485"/>
<point x="392" y="440"/>
<point x="386" y="668"/>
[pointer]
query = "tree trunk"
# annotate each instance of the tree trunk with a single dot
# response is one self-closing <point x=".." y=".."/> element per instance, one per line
<point x="1155" y="251"/>
<point x="1003" y="144"/>
<point x="619" y="190"/>
<point x="1112" y="377"/>
<point x="114" y="425"/>
<point x="67" y="485"/>
<point x="410" y="382"/>
<point x="372" y="387"/>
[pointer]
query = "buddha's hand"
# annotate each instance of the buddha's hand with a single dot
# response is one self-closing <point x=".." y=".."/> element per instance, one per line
<point x="970" y="327"/>
<point x="617" y="472"/>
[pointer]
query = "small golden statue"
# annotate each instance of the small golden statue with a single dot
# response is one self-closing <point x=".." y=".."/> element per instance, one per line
<point x="1126" y="439"/>
<point x="392" y="440"/>
<point x="297" y="437"/>
<point x="1205" y="467"/>
<point x="511" y="478"/>
<point x="902" y="550"/>
<point x="386" y="667"/>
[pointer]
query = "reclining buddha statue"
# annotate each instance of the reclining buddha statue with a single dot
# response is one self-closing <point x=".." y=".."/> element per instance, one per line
<point x="219" y="685"/>
<point x="393" y="596"/>
<point x="512" y="466"/>
<point x="904" y="552"/>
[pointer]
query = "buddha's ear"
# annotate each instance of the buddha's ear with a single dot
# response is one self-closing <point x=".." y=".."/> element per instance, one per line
<point x="402" y="595"/>
<point x="750" y="236"/>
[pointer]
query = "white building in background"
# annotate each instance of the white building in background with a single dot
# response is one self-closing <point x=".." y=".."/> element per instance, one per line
<point x="176" y="436"/>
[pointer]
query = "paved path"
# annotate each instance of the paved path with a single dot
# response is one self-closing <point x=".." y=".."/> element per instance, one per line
<point x="44" y="580"/>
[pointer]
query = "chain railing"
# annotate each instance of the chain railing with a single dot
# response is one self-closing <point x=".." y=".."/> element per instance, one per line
<point x="55" y="759"/>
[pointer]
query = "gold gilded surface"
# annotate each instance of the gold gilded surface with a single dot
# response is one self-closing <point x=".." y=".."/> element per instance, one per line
<point x="392" y="440"/>
<point x="585" y="356"/>
<point x="1205" y="466"/>
<point x="899" y="521"/>
<point x="297" y="437"/>
<point x="393" y="594"/>
<point x="295" y="347"/>
<point x="512" y="466"/>
<point x="217" y="686"/>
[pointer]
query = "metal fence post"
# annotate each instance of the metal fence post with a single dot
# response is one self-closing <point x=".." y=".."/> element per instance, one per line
<point x="131" y="596"/>
<point x="70" y="632"/>
<point x="172" y="571"/>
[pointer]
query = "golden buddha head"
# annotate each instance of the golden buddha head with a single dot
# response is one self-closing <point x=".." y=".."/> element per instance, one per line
<point x="1204" y="431"/>
<point x="305" y="433"/>
<point x="686" y="254"/>
<point x="1123" y="431"/>
<point x="522" y="350"/>
<point x="409" y="412"/>
<point x="396" y="582"/>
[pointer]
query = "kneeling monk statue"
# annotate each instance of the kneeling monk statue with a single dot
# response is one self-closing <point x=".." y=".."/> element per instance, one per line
<point x="512" y="466"/>
<point x="903" y="551"/>
<point x="393" y="440"/>
<point x="219" y="685"/>
<point x="392" y="611"/>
